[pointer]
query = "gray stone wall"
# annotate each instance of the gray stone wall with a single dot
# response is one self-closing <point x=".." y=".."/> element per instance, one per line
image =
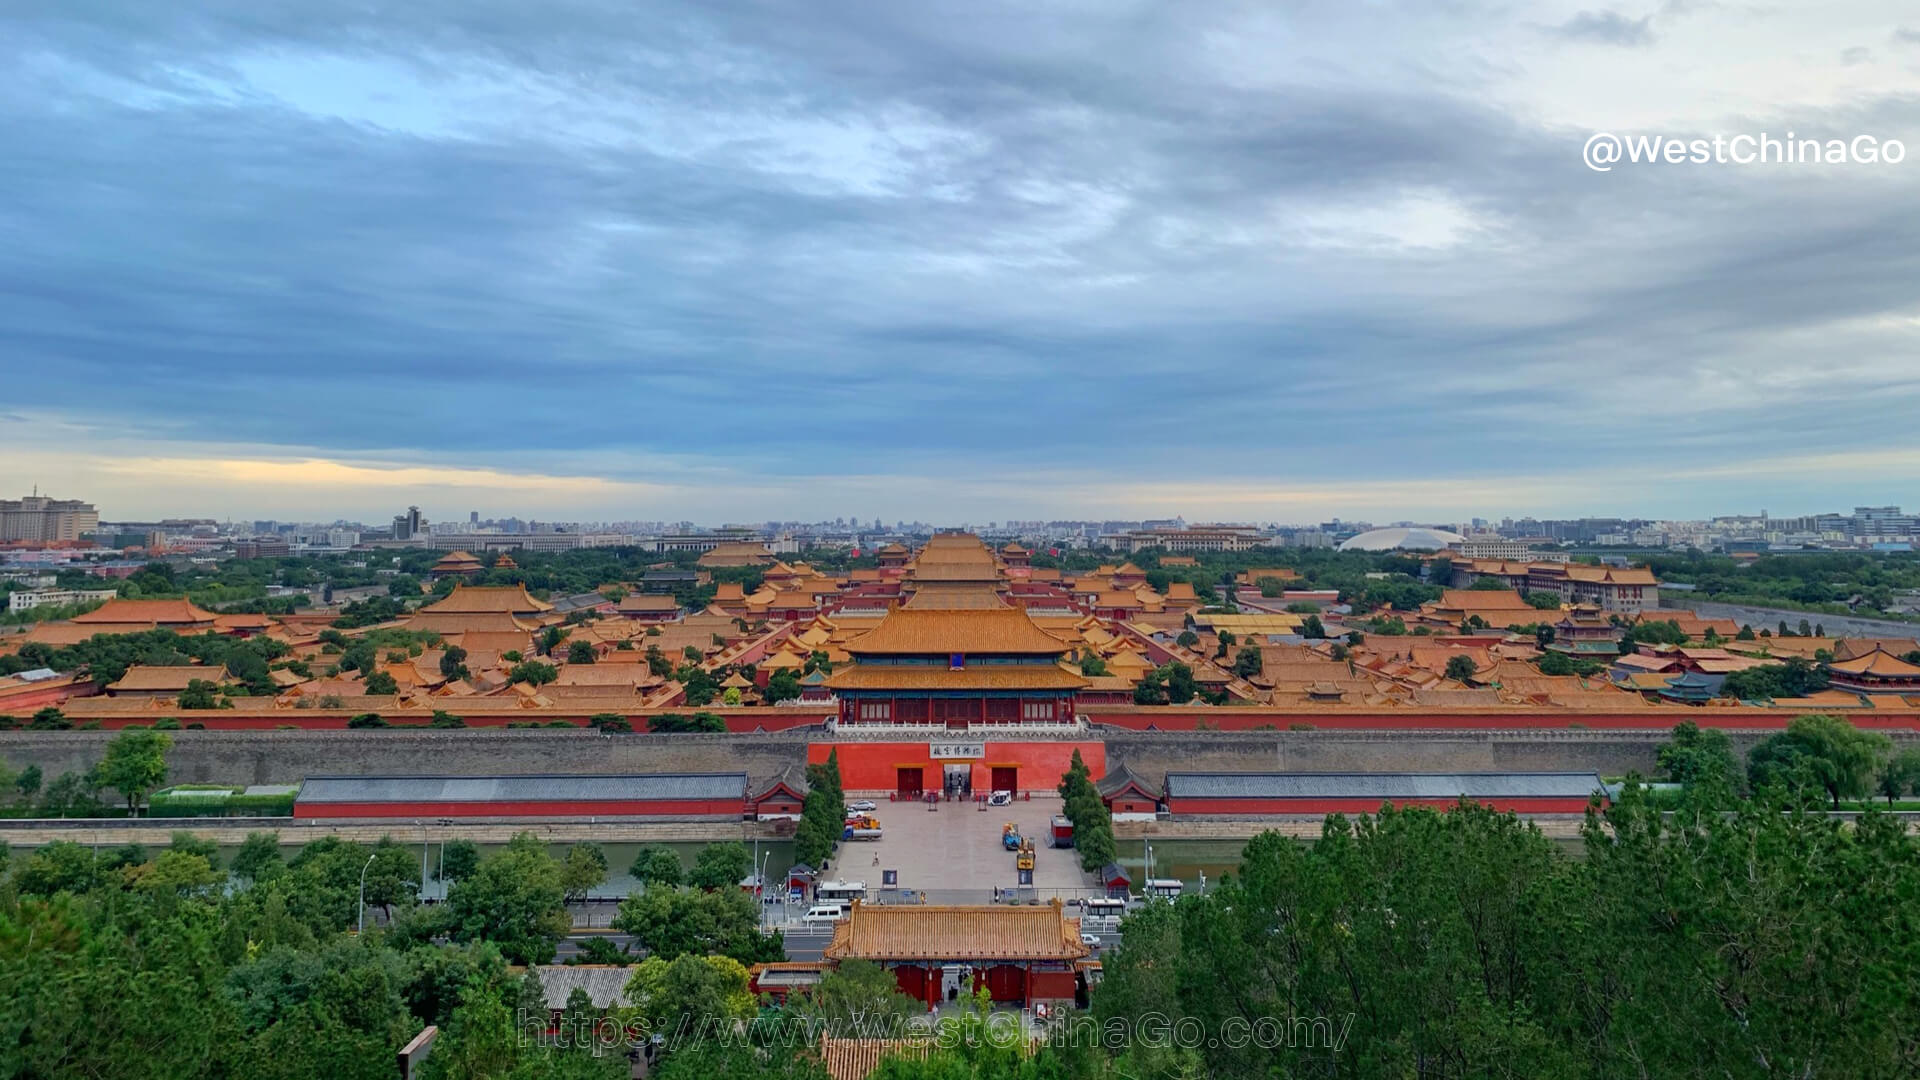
<point x="266" y="757"/>
<point x="284" y="757"/>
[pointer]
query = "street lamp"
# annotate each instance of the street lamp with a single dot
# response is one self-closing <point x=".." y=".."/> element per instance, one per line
<point x="363" y="895"/>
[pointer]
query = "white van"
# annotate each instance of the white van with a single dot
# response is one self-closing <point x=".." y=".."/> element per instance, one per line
<point x="825" y="913"/>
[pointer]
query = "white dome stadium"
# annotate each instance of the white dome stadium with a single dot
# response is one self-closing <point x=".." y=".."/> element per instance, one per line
<point x="1401" y="540"/>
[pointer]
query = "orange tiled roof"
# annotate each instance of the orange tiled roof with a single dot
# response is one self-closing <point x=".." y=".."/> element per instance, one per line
<point x="446" y="623"/>
<point x="856" y="1059"/>
<point x="167" y="679"/>
<point x="164" y="612"/>
<point x="1003" y="630"/>
<point x="950" y="596"/>
<point x="487" y="599"/>
<point x="944" y="932"/>
<point x="72" y="633"/>
<point x="737" y="554"/>
<point x="1878" y="662"/>
<point x="1849" y="648"/>
<point x="936" y="677"/>
<point x="627" y="675"/>
<point x="648" y="602"/>
<point x="1482" y="600"/>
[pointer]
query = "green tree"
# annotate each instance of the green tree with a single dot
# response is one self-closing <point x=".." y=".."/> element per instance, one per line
<point x="381" y="684"/>
<point x="689" y="992"/>
<point x="720" y="866"/>
<point x="60" y="866"/>
<point x="857" y="999"/>
<point x="1247" y="662"/>
<point x="1796" y="677"/>
<point x="135" y="764"/>
<point x="1899" y="775"/>
<point x="533" y="672"/>
<point x="783" y="685"/>
<point x="1461" y="668"/>
<point x="656" y="866"/>
<point x="458" y="860"/>
<point x="674" y="922"/>
<point x="27" y="782"/>
<point x="581" y="652"/>
<point x="1819" y="753"/>
<point x="582" y="870"/>
<point x="199" y="694"/>
<point x="1700" y="758"/>
<point x="515" y="900"/>
<point x="680" y="723"/>
<point x="71" y="794"/>
<point x="259" y="858"/>
<point x="453" y="662"/>
<point x="612" y="723"/>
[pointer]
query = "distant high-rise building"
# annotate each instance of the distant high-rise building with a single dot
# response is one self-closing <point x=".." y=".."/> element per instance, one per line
<point x="473" y="517"/>
<point x="39" y="519"/>
<point x="409" y="525"/>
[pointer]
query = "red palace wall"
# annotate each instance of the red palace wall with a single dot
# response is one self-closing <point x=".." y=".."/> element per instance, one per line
<point x="1647" y="719"/>
<point x="1363" y="806"/>
<point x="669" y="808"/>
<point x="32" y="697"/>
<point x="873" y="766"/>
<point x="1051" y="985"/>
<point x="739" y="721"/>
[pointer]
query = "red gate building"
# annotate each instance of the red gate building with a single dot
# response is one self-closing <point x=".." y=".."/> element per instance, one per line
<point x="1021" y="955"/>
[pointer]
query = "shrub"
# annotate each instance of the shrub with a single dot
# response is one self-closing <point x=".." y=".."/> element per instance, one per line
<point x="367" y="720"/>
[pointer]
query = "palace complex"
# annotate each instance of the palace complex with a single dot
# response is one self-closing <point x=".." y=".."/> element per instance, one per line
<point x="959" y="637"/>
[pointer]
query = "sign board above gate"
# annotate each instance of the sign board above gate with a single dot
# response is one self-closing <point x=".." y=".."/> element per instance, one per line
<point x="940" y="750"/>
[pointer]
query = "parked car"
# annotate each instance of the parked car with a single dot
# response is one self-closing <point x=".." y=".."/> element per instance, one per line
<point x="863" y="805"/>
<point x="1000" y="798"/>
<point x="824" y="913"/>
<point x="1091" y="941"/>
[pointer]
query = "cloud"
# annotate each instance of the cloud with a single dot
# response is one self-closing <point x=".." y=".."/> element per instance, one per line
<point x="1608" y="28"/>
<point x="739" y="260"/>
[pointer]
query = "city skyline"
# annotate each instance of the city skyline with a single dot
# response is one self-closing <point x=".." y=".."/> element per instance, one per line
<point x="452" y="521"/>
<point x="856" y="258"/>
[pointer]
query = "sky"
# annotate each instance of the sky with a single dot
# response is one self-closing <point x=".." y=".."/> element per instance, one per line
<point x="953" y="261"/>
